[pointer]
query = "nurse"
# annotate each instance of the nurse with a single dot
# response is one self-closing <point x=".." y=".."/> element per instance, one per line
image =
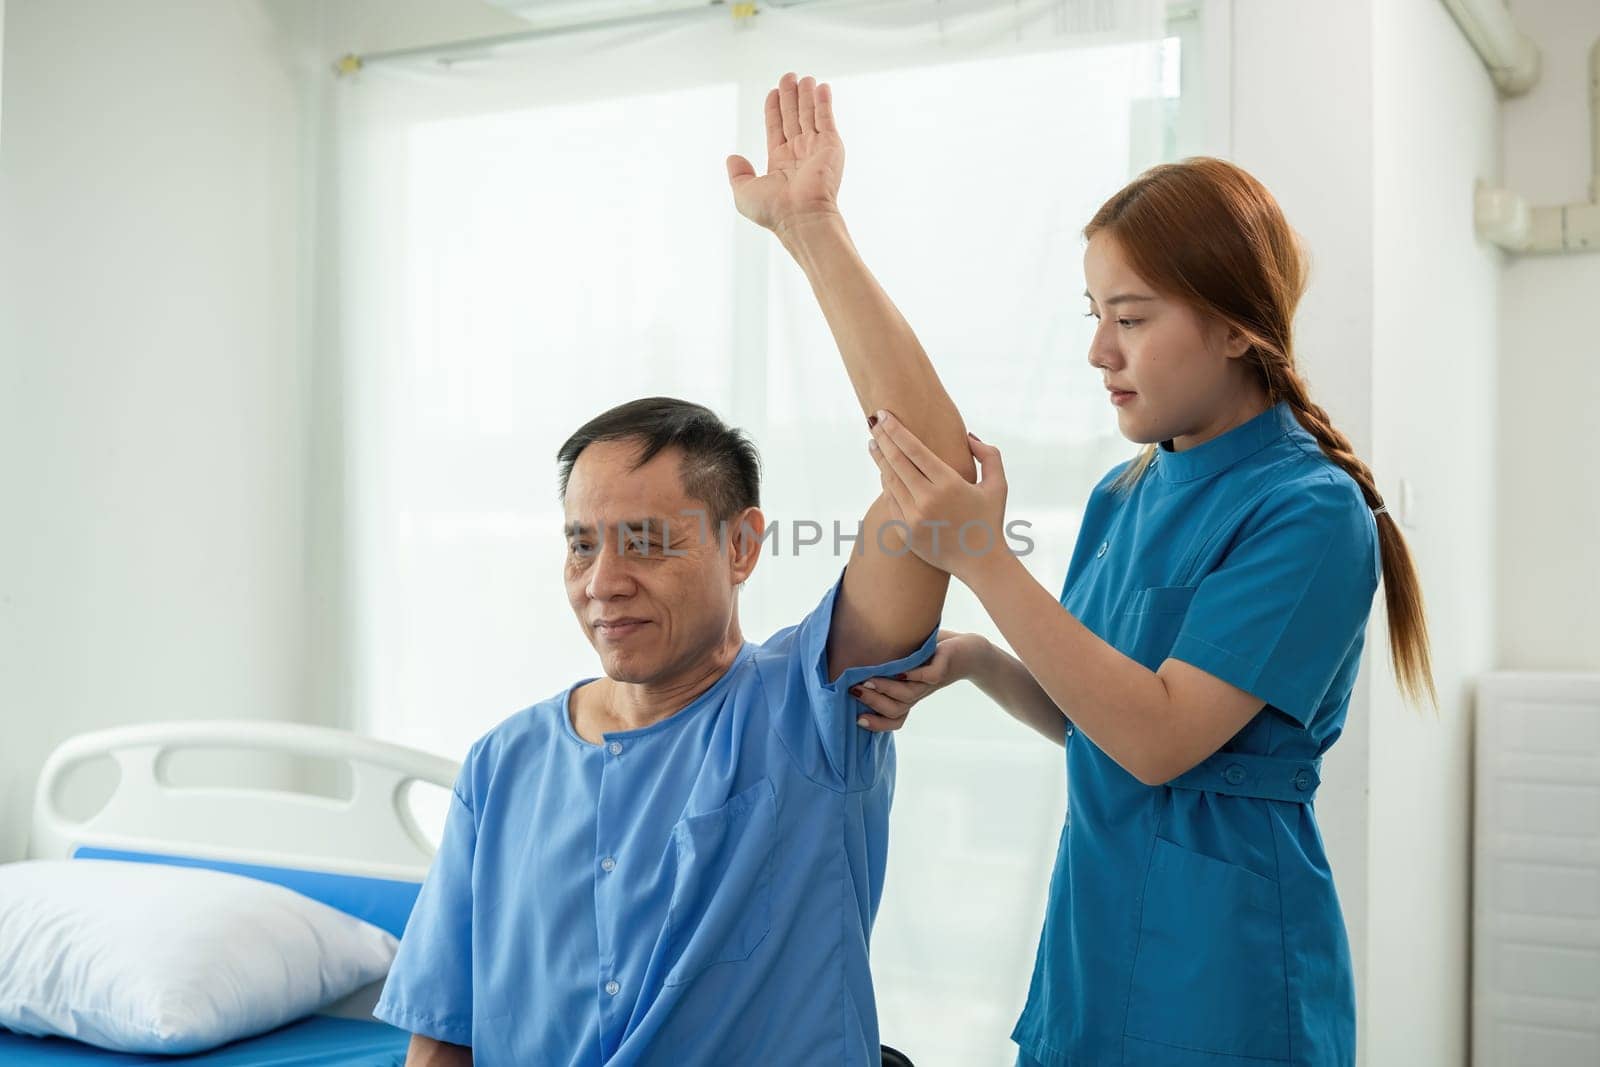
<point x="1199" y="659"/>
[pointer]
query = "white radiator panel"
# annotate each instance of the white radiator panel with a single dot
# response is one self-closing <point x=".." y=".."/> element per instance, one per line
<point x="1536" y="879"/>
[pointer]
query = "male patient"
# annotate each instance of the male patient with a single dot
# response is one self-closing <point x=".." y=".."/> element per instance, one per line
<point x="679" y="862"/>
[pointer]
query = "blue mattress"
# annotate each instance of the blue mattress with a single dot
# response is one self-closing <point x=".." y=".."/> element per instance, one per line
<point x="320" y="1040"/>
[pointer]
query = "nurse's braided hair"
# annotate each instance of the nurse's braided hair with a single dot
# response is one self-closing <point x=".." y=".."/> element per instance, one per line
<point x="1239" y="262"/>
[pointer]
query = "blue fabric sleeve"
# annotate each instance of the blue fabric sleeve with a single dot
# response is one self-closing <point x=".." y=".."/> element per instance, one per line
<point x="855" y="757"/>
<point x="1279" y="615"/>
<point x="429" y="989"/>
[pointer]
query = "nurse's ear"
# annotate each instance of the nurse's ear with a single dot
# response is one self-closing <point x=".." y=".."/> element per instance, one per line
<point x="1228" y="339"/>
<point x="1238" y="344"/>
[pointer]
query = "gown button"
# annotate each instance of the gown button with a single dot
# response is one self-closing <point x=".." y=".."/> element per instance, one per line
<point x="1103" y="546"/>
<point x="1302" y="780"/>
<point x="1234" y="774"/>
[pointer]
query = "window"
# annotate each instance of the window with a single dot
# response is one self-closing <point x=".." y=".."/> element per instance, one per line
<point x="529" y="239"/>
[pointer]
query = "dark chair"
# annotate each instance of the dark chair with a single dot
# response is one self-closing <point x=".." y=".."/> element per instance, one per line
<point x="895" y="1058"/>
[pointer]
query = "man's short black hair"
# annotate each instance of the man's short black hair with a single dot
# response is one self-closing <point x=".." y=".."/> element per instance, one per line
<point x="720" y="464"/>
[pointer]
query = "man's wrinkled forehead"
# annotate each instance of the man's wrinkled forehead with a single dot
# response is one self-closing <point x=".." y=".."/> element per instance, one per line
<point x="606" y="503"/>
<point x="608" y="485"/>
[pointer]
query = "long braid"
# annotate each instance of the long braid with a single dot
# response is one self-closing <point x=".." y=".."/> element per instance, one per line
<point x="1315" y="419"/>
<point x="1412" y="659"/>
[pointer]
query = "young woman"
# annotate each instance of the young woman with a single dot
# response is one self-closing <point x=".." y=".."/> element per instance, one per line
<point x="1200" y="657"/>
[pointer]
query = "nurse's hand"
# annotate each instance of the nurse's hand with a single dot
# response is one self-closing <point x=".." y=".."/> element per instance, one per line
<point x="805" y="160"/>
<point x="949" y="522"/>
<point x="891" y="699"/>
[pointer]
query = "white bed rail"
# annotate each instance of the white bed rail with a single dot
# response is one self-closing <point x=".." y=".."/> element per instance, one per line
<point x="373" y="833"/>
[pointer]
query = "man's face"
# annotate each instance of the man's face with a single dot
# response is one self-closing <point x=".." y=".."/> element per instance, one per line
<point x="647" y="578"/>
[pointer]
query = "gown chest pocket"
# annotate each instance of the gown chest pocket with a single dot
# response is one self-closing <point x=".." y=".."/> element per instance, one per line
<point x="721" y="906"/>
<point x="1149" y="625"/>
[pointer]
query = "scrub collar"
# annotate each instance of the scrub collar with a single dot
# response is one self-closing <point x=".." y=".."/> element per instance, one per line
<point x="1224" y="450"/>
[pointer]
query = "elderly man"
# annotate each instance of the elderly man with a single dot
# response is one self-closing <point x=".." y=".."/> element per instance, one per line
<point x="680" y="862"/>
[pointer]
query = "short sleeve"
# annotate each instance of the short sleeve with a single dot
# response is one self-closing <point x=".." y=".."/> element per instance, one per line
<point x="1280" y="614"/>
<point x="854" y="756"/>
<point x="429" y="990"/>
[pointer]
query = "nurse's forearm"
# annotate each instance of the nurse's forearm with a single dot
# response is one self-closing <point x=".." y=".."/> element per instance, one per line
<point x="1004" y="679"/>
<point x="1121" y="706"/>
<point x="886" y="363"/>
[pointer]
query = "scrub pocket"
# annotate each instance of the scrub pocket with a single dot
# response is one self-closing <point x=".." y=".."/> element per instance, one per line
<point x="721" y="906"/>
<point x="1209" y="972"/>
<point x="1149" y="627"/>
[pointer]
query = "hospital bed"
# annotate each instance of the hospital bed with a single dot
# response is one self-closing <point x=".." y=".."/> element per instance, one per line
<point x="365" y="856"/>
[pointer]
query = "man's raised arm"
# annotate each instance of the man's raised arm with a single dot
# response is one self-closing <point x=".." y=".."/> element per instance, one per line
<point x="890" y="599"/>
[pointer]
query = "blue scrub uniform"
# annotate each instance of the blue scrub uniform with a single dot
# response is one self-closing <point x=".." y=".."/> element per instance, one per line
<point x="1195" y="924"/>
<point x="697" y="892"/>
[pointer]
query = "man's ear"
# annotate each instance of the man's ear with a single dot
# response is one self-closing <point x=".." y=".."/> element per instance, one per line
<point x="746" y="533"/>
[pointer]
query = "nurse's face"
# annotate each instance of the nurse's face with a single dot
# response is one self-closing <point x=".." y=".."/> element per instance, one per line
<point x="1171" y="374"/>
<point x="654" y="600"/>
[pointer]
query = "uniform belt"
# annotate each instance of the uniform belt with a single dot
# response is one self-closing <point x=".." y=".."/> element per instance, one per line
<point x="1239" y="774"/>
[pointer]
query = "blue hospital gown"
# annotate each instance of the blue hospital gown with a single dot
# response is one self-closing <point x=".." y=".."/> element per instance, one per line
<point x="700" y="891"/>
<point x="1195" y="924"/>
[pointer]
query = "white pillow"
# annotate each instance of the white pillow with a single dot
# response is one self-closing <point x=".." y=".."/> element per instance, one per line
<point x="142" y="957"/>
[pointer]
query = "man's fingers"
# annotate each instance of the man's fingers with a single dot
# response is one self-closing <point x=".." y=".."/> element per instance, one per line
<point x="789" y="106"/>
<point x="739" y="171"/>
<point x="775" y="138"/>
<point x="808" y="104"/>
<point x="825" y="123"/>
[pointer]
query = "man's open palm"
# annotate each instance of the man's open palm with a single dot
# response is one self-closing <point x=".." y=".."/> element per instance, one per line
<point x="805" y="158"/>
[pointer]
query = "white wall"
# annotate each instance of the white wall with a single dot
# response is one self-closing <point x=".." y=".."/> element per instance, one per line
<point x="1370" y="122"/>
<point x="1436" y="299"/>
<point x="2" y="62"/>
<point x="169" y="444"/>
<point x="1549" y="531"/>
<point x="151" y="384"/>
<point x="1302" y="123"/>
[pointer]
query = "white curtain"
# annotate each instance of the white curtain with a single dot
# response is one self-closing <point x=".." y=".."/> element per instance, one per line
<point x="530" y="235"/>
